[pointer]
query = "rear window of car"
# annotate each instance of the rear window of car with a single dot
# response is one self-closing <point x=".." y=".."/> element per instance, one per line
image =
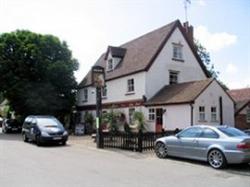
<point x="232" y="132"/>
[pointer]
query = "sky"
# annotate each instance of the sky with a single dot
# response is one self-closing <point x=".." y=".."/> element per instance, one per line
<point x="89" y="26"/>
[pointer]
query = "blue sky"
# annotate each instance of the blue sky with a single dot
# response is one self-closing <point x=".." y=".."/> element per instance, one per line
<point x="89" y="26"/>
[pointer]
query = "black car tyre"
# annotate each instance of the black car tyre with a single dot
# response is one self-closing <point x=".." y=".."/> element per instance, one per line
<point x="25" y="139"/>
<point x="3" y="130"/>
<point x="161" y="150"/>
<point x="38" y="141"/>
<point x="64" y="142"/>
<point x="216" y="159"/>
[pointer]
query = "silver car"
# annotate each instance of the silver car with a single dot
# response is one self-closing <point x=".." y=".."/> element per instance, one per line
<point x="218" y="145"/>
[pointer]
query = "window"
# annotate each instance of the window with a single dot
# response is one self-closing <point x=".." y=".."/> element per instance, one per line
<point x="173" y="77"/>
<point x="104" y="91"/>
<point x="248" y="115"/>
<point x="130" y="114"/>
<point x="201" y="113"/>
<point x="213" y="114"/>
<point x="231" y="132"/>
<point x="177" y="52"/>
<point x="131" y="85"/>
<point x="191" y="133"/>
<point x="209" y="133"/>
<point x="110" y="64"/>
<point x="85" y="95"/>
<point x="151" y="114"/>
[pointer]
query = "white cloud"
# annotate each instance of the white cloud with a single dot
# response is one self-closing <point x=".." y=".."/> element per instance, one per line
<point x="202" y="2"/>
<point x="214" y="41"/>
<point x="231" y="68"/>
<point x="235" y="84"/>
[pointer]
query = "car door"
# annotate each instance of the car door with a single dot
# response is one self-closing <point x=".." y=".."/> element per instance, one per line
<point x="207" y="138"/>
<point x="33" y="129"/>
<point x="188" y="142"/>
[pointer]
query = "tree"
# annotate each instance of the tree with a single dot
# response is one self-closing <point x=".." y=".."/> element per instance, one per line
<point x="205" y="57"/>
<point x="37" y="74"/>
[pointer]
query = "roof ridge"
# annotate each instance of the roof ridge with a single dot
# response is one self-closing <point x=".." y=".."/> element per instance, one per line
<point x="148" y="33"/>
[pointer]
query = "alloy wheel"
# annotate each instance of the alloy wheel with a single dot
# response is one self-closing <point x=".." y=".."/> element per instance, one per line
<point x="161" y="150"/>
<point x="216" y="159"/>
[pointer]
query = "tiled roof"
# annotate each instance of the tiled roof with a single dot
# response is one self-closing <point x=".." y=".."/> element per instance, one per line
<point x="140" y="53"/>
<point x="179" y="93"/>
<point x="241" y="97"/>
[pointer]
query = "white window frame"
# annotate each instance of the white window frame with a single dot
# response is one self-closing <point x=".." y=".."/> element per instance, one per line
<point x="130" y="114"/>
<point x="213" y="113"/>
<point x="130" y="85"/>
<point x="85" y="94"/>
<point x="110" y="64"/>
<point x="171" y="73"/>
<point x="202" y="113"/>
<point x="248" y="115"/>
<point x="104" y="91"/>
<point x="151" y="114"/>
<point x="177" y="51"/>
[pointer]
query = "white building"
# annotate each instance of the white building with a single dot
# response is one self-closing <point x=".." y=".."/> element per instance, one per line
<point x="161" y="75"/>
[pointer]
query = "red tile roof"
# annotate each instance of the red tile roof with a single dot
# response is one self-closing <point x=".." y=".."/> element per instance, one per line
<point x="241" y="97"/>
<point x="141" y="53"/>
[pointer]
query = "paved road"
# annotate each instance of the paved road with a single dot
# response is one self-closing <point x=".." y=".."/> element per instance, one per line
<point x="81" y="164"/>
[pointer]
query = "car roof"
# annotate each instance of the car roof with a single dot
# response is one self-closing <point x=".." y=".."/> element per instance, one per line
<point x="40" y="116"/>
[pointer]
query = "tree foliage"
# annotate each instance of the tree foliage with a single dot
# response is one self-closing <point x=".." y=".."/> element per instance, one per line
<point x="205" y="57"/>
<point x="37" y="73"/>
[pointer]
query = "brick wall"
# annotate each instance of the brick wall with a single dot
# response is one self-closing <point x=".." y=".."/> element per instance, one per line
<point x="240" y="122"/>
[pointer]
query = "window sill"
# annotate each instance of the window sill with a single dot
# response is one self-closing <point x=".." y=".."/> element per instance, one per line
<point x="130" y="93"/>
<point x="204" y="121"/>
<point x="84" y="101"/>
<point x="179" y="60"/>
<point x="214" y="121"/>
<point x="104" y="97"/>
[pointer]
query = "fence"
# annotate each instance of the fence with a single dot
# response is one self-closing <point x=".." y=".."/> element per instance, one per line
<point x="131" y="141"/>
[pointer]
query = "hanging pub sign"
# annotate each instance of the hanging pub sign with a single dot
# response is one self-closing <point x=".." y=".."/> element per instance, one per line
<point x="98" y="76"/>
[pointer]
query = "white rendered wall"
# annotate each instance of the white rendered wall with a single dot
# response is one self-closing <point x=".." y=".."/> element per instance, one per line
<point x="158" y="75"/>
<point x="210" y="98"/>
<point x="116" y="90"/>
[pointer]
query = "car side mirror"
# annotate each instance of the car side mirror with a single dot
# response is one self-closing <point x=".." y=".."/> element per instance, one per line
<point x="178" y="136"/>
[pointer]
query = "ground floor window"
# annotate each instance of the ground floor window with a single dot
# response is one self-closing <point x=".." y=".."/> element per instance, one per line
<point x="248" y="115"/>
<point x="213" y="114"/>
<point x="130" y="114"/>
<point x="202" y="113"/>
<point x="151" y="114"/>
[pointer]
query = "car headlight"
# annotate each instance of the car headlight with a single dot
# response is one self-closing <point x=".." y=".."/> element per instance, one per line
<point x="43" y="133"/>
<point x="65" y="133"/>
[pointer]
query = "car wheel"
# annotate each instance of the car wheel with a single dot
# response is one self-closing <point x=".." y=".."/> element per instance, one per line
<point x="25" y="139"/>
<point x="216" y="159"/>
<point x="64" y="143"/>
<point x="38" y="141"/>
<point x="161" y="150"/>
<point x="3" y="130"/>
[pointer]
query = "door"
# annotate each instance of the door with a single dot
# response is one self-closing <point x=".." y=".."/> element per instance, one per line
<point x="188" y="141"/>
<point x="159" y="121"/>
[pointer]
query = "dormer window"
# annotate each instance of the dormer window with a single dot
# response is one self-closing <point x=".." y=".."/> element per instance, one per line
<point x="177" y="51"/>
<point x="110" y="65"/>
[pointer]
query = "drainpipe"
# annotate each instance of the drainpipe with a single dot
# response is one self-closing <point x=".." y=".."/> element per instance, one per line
<point x="192" y="112"/>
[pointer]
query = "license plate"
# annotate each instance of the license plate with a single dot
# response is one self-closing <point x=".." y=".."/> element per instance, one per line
<point x="57" y="138"/>
<point x="14" y="129"/>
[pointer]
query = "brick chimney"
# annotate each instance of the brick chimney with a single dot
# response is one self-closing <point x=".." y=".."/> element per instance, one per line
<point x="189" y="30"/>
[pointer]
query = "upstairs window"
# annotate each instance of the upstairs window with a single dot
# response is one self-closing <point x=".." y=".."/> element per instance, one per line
<point x="85" y="94"/>
<point x="110" y="65"/>
<point x="202" y="113"/>
<point x="130" y="85"/>
<point x="173" y="77"/>
<point x="248" y="115"/>
<point x="104" y="91"/>
<point x="213" y="114"/>
<point x="177" y="51"/>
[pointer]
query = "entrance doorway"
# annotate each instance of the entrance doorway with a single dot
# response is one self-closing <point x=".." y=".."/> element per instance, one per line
<point x="159" y="121"/>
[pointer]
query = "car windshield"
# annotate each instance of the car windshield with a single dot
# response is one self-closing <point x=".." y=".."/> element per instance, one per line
<point x="232" y="132"/>
<point x="48" y="123"/>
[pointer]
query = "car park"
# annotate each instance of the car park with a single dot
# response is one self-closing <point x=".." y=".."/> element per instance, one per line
<point x="219" y="146"/>
<point x="11" y="125"/>
<point x="44" y="130"/>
